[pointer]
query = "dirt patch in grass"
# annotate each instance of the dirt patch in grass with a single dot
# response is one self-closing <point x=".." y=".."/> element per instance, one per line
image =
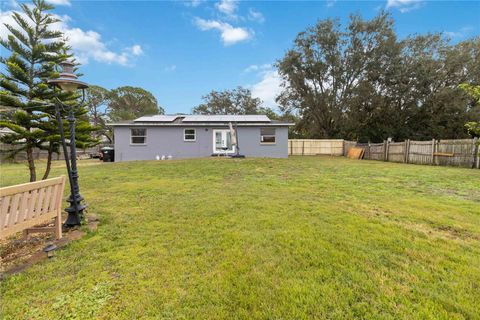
<point x="438" y="231"/>
<point x="457" y="232"/>
<point x="17" y="250"/>
<point x="18" y="253"/>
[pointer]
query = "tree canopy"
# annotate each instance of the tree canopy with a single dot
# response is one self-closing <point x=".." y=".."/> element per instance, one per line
<point x="96" y="102"/>
<point x="235" y="101"/>
<point x="473" y="127"/>
<point x="128" y="103"/>
<point x="361" y="82"/>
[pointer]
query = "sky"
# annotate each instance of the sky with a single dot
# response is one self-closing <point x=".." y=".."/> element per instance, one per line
<point x="181" y="50"/>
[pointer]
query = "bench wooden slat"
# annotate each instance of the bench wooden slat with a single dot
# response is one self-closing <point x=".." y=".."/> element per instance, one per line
<point x="27" y="186"/>
<point x="30" y="204"/>
<point x="29" y="223"/>
<point x="38" y="208"/>
<point x="48" y="199"/>
<point x="13" y="210"/>
<point x="4" y="207"/>
<point x="23" y="206"/>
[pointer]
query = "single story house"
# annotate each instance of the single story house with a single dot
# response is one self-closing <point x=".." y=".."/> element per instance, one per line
<point x="193" y="136"/>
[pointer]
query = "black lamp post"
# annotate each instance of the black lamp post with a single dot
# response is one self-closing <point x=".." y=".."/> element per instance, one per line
<point x="68" y="82"/>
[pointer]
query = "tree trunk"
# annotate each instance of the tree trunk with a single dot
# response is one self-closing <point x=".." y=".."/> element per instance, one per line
<point x="31" y="164"/>
<point x="49" y="161"/>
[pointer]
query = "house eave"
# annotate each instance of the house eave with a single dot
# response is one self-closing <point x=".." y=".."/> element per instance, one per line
<point x="196" y="124"/>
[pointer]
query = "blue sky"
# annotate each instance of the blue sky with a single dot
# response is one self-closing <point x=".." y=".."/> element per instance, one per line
<point x="182" y="50"/>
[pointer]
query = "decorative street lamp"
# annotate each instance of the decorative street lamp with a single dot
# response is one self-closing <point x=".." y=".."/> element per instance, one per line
<point x="68" y="82"/>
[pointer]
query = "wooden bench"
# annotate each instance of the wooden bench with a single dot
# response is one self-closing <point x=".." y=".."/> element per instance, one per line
<point x="26" y="205"/>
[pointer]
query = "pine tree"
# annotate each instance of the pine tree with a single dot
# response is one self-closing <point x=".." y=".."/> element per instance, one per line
<point x="25" y="96"/>
<point x="35" y="49"/>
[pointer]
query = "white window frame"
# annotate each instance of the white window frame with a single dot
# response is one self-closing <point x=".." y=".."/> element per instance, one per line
<point x="274" y="135"/>
<point x="194" y="135"/>
<point x="144" y="136"/>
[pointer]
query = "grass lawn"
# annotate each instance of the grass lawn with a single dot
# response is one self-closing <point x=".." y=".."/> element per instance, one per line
<point x="297" y="238"/>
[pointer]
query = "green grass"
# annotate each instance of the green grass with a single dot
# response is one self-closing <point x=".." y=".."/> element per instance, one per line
<point x="297" y="238"/>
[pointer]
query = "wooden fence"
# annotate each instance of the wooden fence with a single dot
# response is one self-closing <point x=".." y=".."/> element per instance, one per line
<point x="42" y="154"/>
<point x="459" y="152"/>
<point x="27" y="205"/>
<point x="314" y="147"/>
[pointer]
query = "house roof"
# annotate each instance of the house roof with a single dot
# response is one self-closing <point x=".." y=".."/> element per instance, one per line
<point x="156" y="118"/>
<point x="202" y="120"/>
<point x="226" y="118"/>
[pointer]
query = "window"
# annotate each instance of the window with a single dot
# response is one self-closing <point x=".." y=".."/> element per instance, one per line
<point x="189" y="135"/>
<point x="138" y="136"/>
<point x="267" y="135"/>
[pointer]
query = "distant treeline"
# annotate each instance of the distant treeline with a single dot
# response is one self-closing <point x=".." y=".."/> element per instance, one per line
<point x="361" y="82"/>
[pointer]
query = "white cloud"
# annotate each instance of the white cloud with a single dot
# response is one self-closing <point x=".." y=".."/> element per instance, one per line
<point x="254" y="15"/>
<point x="170" y="68"/>
<point x="256" y="67"/>
<point x="405" y="5"/>
<point x="227" y="7"/>
<point x="60" y="2"/>
<point x="330" y="3"/>
<point x="454" y="34"/>
<point x="230" y="35"/>
<point x="462" y="33"/>
<point x="86" y="45"/>
<point x="251" y="68"/>
<point x="268" y="88"/>
<point x="136" y="50"/>
<point x="193" y="3"/>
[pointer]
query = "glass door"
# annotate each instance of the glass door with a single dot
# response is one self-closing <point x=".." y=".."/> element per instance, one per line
<point x="222" y="142"/>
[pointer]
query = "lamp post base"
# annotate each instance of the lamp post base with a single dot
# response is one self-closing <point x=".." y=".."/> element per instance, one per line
<point x="75" y="212"/>
<point x="73" y="220"/>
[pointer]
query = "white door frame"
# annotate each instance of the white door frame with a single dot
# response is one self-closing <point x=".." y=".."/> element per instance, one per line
<point x="224" y="135"/>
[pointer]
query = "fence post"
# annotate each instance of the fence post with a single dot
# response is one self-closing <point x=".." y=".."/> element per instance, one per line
<point x="406" y="151"/>
<point x="433" y="151"/>
<point x="303" y="147"/>
<point x="385" y="155"/>
<point x="475" y="153"/>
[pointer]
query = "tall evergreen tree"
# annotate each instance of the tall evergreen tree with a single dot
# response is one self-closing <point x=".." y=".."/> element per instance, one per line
<point x="35" y="49"/>
<point x="24" y="93"/>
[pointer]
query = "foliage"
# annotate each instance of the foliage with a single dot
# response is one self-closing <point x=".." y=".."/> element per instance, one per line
<point x="35" y="49"/>
<point x="96" y="102"/>
<point x="128" y="103"/>
<point x="360" y="82"/>
<point x="473" y="127"/>
<point x="236" y="101"/>
<point x="309" y="237"/>
<point x="25" y="96"/>
<point x="473" y="91"/>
